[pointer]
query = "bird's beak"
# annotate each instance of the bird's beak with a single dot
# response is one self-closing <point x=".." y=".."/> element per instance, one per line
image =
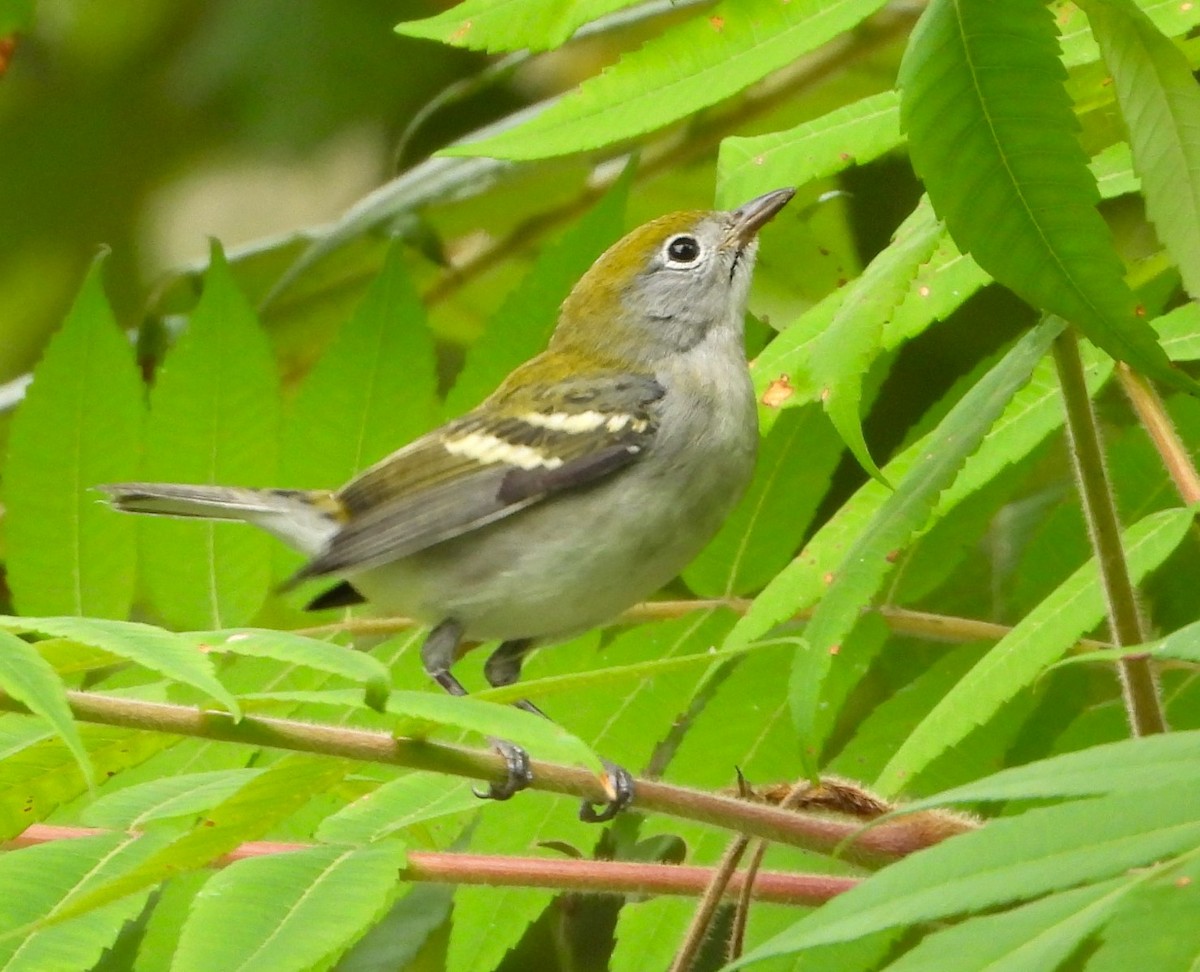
<point x="750" y="218"/>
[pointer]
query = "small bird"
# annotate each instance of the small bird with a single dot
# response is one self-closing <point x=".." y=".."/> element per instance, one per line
<point x="583" y="484"/>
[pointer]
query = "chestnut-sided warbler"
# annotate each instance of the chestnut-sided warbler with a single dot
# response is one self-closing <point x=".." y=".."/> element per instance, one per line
<point x="582" y="485"/>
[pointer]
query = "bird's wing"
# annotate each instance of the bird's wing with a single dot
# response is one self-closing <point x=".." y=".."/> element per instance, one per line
<point x="479" y="468"/>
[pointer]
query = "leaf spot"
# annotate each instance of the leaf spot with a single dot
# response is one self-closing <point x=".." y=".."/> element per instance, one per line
<point x="718" y="23"/>
<point x="461" y="32"/>
<point x="778" y="392"/>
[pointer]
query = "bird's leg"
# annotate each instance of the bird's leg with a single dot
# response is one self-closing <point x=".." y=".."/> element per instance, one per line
<point x="437" y="655"/>
<point x="504" y="668"/>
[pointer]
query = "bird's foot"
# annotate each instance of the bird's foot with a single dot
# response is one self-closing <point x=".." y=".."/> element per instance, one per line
<point x="619" y="783"/>
<point x="516" y="762"/>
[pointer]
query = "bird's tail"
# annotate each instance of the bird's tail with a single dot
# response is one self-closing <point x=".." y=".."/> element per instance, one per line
<point x="303" y="519"/>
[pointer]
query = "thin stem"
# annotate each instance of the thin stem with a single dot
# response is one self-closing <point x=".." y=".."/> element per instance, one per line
<point x="918" y="624"/>
<point x="832" y="793"/>
<point x="596" y="877"/>
<point x="721" y="882"/>
<point x="1142" y="701"/>
<point x="871" y="848"/>
<point x="1153" y="415"/>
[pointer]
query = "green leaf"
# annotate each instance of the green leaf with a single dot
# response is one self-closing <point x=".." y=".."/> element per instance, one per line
<point x="940" y="286"/>
<point x="1182" y="644"/>
<point x="1171" y="17"/>
<point x="509" y="25"/>
<point x="295" y="649"/>
<point x="690" y="66"/>
<point x="992" y="133"/>
<point x="796" y="460"/>
<point x="615" y="677"/>
<point x="507" y="912"/>
<point x="1113" y="169"/>
<point x="523" y="324"/>
<point x="1035" y="411"/>
<point x="28" y="678"/>
<point x="248" y="814"/>
<point x="79" y="427"/>
<point x="1160" y="101"/>
<point x="288" y="911"/>
<point x="133" y="807"/>
<point x="15" y="15"/>
<point x="542" y="737"/>
<point x="1040" y="638"/>
<point x="39" y="882"/>
<point x="629" y="727"/>
<point x="636" y="723"/>
<point x="841" y="354"/>
<point x="1155" y="928"/>
<point x="1179" y="330"/>
<point x="160" y="937"/>
<point x="850" y="135"/>
<point x="372" y="392"/>
<point x="1036" y="937"/>
<point x="1011" y="859"/>
<point x="723" y="735"/>
<point x="1125" y="766"/>
<point x="901" y="516"/>
<point x="936" y="287"/>
<point x="38" y="774"/>
<point x="214" y="419"/>
<point x="648" y="933"/>
<point x="160" y="651"/>
<point x="407" y="800"/>
<point x="875" y="735"/>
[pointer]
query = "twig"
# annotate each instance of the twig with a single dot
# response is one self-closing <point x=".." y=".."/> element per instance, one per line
<point x="919" y="624"/>
<point x="718" y="887"/>
<point x="832" y="792"/>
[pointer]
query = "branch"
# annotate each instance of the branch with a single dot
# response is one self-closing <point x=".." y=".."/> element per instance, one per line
<point x="871" y="848"/>
<point x="596" y="877"/>
<point x="918" y="624"/>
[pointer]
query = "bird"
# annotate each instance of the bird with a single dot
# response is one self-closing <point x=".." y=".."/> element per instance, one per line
<point x="583" y="484"/>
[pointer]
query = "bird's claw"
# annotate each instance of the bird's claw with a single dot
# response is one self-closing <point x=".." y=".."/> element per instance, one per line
<point x="619" y="783"/>
<point x="519" y="773"/>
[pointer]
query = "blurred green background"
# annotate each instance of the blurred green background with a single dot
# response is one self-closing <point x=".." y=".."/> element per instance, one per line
<point x="149" y="126"/>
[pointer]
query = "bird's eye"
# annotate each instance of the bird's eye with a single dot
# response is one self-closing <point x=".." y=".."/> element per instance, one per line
<point x="683" y="250"/>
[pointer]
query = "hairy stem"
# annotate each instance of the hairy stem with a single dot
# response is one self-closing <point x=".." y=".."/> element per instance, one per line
<point x="1158" y="425"/>
<point x="1142" y="702"/>
<point x="722" y="882"/>
<point x="596" y="877"/>
<point x="871" y="848"/>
